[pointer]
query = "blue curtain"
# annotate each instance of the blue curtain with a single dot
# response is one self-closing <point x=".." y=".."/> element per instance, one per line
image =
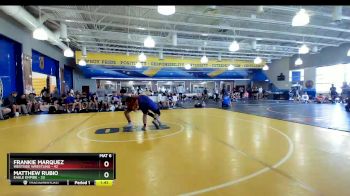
<point x="68" y="77"/>
<point x="10" y="66"/>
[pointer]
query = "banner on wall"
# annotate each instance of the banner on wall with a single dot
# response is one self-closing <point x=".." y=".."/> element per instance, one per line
<point x="154" y="61"/>
<point x="27" y="73"/>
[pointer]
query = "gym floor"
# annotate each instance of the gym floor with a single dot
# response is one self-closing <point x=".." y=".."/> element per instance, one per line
<point x="204" y="151"/>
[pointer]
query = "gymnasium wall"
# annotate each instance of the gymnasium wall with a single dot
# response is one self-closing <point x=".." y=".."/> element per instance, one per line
<point x="80" y="80"/>
<point x="327" y="56"/>
<point x="16" y="31"/>
<point x="12" y="29"/>
<point x="276" y="68"/>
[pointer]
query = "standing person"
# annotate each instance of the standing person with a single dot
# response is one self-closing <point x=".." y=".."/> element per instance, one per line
<point x="147" y="106"/>
<point x="241" y="92"/>
<point x="205" y="94"/>
<point x="122" y="95"/>
<point x="43" y="92"/>
<point x="223" y="91"/>
<point x="260" y="90"/>
<point x="181" y="91"/>
<point x="333" y="92"/>
<point x="216" y="94"/>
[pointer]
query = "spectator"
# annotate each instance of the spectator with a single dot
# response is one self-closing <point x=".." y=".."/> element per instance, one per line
<point x="78" y="103"/>
<point x="245" y="95"/>
<point x="241" y="92"/>
<point x="333" y="92"/>
<point x="104" y="104"/>
<point x="55" y="95"/>
<point x="260" y="91"/>
<point x="94" y="102"/>
<point x="205" y="94"/>
<point x="69" y="102"/>
<point x="3" y="111"/>
<point x="34" y="104"/>
<point x="216" y="95"/>
<point x="43" y="92"/>
<point x="85" y="101"/>
<point x="11" y="103"/>
<point x="305" y="98"/>
<point x="23" y="104"/>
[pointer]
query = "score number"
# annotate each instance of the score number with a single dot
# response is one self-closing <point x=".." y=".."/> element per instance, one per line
<point x="106" y="164"/>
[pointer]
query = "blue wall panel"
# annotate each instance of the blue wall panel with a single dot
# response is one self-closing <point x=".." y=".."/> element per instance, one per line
<point x="68" y="77"/>
<point x="10" y="66"/>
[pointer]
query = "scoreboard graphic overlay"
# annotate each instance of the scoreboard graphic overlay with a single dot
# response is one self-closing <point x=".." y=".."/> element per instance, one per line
<point x="96" y="169"/>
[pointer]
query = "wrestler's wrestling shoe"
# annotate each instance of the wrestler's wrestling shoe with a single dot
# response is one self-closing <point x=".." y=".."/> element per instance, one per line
<point x="156" y="124"/>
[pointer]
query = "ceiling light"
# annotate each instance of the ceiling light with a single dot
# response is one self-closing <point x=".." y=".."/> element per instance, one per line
<point x="265" y="68"/>
<point x="82" y="62"/>
<point x="68" y="53"/>
<point x="301" y="18"/>
<point x="138" y="65"/>
<point x="142" y="57"/>
<point x="219" y="57"/>
<point x="304" y="49"/>
<point x="231" y="67"/>
<point x="234" y="46"/>
<point x="149" y="42"/>
<point x="204" y="59"/>
<point x="204" y="34"/>
<point x="348" y="53"/>
<point x="257" y="60"/>
<point x="141" y="28"/>
<point x="260" y="9"/>
<point x="299" y="61"/>
<point x="188" y="66"/>
<point x="166" y="10"/>
<point x="40" y="34"/>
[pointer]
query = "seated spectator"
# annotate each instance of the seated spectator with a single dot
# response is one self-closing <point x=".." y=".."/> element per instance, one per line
<point x="23" y="103"/>
<point x="163" y="101"/>
<point x="320" y="98"/>
<point x="35" y="105"/>
<point x="170" y="101"/>
<point x="305" y="98"/>
<point x="78" y="103"/>
<point x="3" y="111"/>
<point x="59" y="104"/>
<point x="104" y="104"/>
<point x="245" y="95"/>
<point x="93" y="102"/>
<point x="11" y="103"/>
<point x="85" y="101"/>
<point x="69" y="102"/>
<point x="116" y="99"/>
